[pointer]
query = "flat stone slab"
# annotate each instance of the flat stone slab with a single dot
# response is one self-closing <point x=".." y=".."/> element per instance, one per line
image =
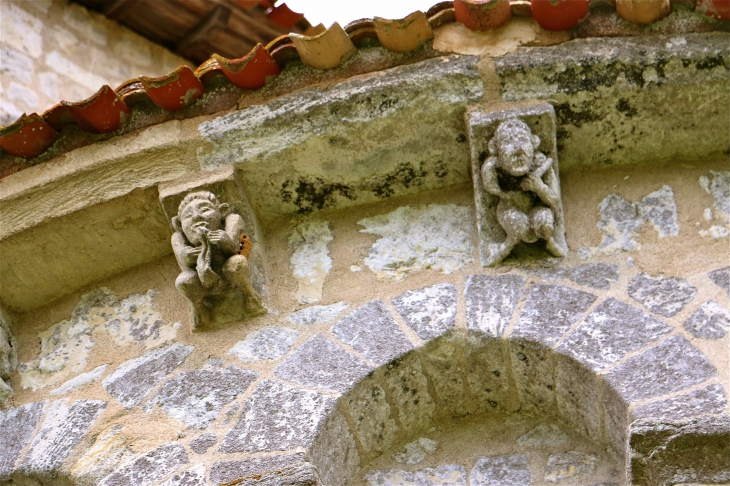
<point x="268" y="343"/>
<point x="371" y="331"/>
<point x="320" y="363"/>
<point x="545" y="435"/>
<point x="16" y="429"/>
<point x="317" y="314"/>
<point x="277" y="416"/>
<point x="490" y="301"/>
<point x="197" y="397"/>
<point x="448" y="474"/>
<point x="430" y="311"/>
<point x="228" y="471"/>
<point x="149" y="468"/>
<point x="203" y="442"/>
<point x="668" y="367"/>
<point x="550" y="311"/>
<point x="133" y="380"/>
<point x="721" y="278"/>
<point x="611" y="331"/>
<point x="710" y="321"/>
<point x="596" y="275"/>
<point x="663" y="296"/>
<point x="511" y="470"/>
<point x="707" y="400"/>
<point x="195" y="476"/>
<point x="567" y="465"/>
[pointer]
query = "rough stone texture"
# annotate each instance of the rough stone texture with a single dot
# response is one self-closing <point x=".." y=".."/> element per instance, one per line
<point x="266" y="343"/>
<point x="408" y="390"/>
<point x="533" y="369"/>
<point x="149" y="468"/>
<point x="277" y="416"/>
<point x="490" y="301"/>
<point x="317" y="314"/>
<point x="303" y="474"/>
<point x="550" y="312"/>
<point x="310" y="259"/>
<point x="710" y="321"/>
<point x="707" y="400"/>
<point x="375" y="427"/>
<point x="659" y="209"/>
<point x="371" y="331"/>
<point x="443" y="364"/>
<point x="721" y="278"/>
<point x="430" y="311"/>
<point x="718" y="186"/>
<point x="596" y="275"/>
<point x="668" y="367"/>
<point x="81" y="380"/>
<point x="229" y="471"/>
<point x="568" y="465"/>
<point x="664" y="296"/>
<point x="320" y="363"/>
<point x="436" y="237"/>
<point x="133" y="380"/>
<point x="510" y="470"/>
<point x="197" y="397"/>
<point x="488" y="375"/>
<point x="616" y="420"/>
<point x="8" y="348"/>
<point x="110" y="449"/>
<point x="545" y="435"/>
<point x="612" y="330"/>
<point x="325" y="147"/>
<point x="445" y="475"/>
<point x="16" y="429"/>
<point x="334" y="452"/>
<point x="195" y="476"/>
<point x="416" y="451"/>
<point x="62" y="429"/>
<point x="203" y="442"/>
<point x="578" y="396"/>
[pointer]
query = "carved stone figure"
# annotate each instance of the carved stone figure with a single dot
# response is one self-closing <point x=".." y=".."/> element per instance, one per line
<point x="207" y="242"/>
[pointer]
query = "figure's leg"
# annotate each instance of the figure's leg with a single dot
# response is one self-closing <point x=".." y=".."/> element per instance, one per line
<point x="515" y="222"/>
<point x="542" y="220"/>
<point x="189" y="285"/>
<point x="237" y="271"/>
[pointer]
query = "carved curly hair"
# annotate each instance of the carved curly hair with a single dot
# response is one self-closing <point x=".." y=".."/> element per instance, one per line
<point x="206" y="195"/>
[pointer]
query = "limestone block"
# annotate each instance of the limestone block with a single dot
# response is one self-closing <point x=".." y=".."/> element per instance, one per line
<point x="512" y="470"/>
<point x="566" y="465"/>
<point x="371" y="331"/>
<point x="22" y="30"/>
<point x="133" y="380"/>
<point x="545" y="435"/>
<point x="277" y="416"/>
<point x="721" y="278"/>
<point x="80" y="381"/>
<point x="578" y="395"/>
<point x="320" y="363"/>
<point x="488" y="375"/>
<point x="15" y="65"/>
<point x="533" y="369"/>
<point x="445" y="475"/>
<point x="611" y="331"/>
<point x="334" y="452"/>
<point x="230" y="471"/>
<point x="710" y="399"/>
<point x="408" y="389"/>
<point x="596" y="275"/>
<point x="416" y="451"/>
<point x="8" y="348"/>
<point x="443" y="362"/>
<point x="109" y="450"/>
<point x="149" y="468"/>
<point x="303" y="474"/>
<point x="490" y="301"/>
<point x="373" y="420"/>
<point x="317" y="314"/>
<point x="310" y="261"/>
<point x="710" y="321"/>
<point x="430" y="311"/>
<point x="203" y="442"/>
<point x="16" y="429"/>
<point x="268" y="343"/>
<point x="195" y="476"/>
<point x="616" y="421"/>
<point x="663" y="296"/>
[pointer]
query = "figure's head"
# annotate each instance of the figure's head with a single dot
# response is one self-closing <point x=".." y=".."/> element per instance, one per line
<point x="514" y="144"/>
<point x="199" y="213"/>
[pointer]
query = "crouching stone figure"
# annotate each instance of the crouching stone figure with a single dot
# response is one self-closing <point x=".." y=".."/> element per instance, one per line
<point x="207" y="244"/>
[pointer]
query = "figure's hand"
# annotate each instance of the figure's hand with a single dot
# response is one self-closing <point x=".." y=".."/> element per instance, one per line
<point x="532" y="183"/>
<point x="217" y="236"/>
<point x="190" y="254"/>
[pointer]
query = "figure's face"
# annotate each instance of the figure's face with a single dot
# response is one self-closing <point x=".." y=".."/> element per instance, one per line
<point x="199" y="217"/>
<point x="516" y="153"/>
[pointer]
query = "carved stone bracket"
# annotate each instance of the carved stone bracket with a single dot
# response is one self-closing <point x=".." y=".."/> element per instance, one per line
<point x="215" y="242"/>
<point x="516" y="181"/>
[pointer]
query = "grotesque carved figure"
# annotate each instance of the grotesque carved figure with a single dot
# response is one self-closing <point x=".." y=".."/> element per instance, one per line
<point x="527" y="187"/>
<point x="206" y="243"/>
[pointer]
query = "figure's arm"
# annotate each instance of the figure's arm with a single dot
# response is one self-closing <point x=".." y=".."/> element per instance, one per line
<point x="543" y="165"/>
<point x="533" y="181"/>
<point x="228" y="239"/>
<point x="489" y="177"/>
<point x="186" y="255"/>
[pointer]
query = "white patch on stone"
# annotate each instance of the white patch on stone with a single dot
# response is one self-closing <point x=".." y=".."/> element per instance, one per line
<point x="707" y="214"/>
<point x="310" y="261"/>
<point x="66" y="345"/>
<point x="82" y="380"/>
<point x="718" y="186"/>
<point x="568" y="465"/>
<point x="266" y="343"/>
<point x="416" y="451"/>
<point x="545" y="435"/>
<point x="438" y="237"/>
<point x="317" y="314"/>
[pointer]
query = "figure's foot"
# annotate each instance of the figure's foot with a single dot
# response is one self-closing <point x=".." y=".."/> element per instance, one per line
<point x="542" y="221"/>
<point x="201" y="317"/>
<point x="252" y="304"/>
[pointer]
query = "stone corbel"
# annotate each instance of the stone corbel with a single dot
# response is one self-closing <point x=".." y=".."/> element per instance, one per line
<point x="215" y="241"/>
<point x="516" y="181"/>
<point x="8" y="357"/>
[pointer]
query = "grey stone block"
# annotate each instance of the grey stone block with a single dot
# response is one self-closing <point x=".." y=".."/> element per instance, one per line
<point x="445" y="475"/>
<point x="664" y="296"/>
<point x="596" y="275"/>
<point x="195" y="476"/>
<point x="197" y="397"/>
<point x="408" y="390"/>
<point x="488" y="375"/>
<point x="710" y="399"/>
<point x="133" y="380"/>
<point x="668" y="367"/>
<point x="266" y="343"/>
<point x="616" y="422"/>
<point x="229" y="471"/>
<point x="710" y="321"/>
<point x="565" y="465"/>
<point x="544" y="435"/>
<point x="578" y="395"/>
<point x="320" y="363"/>
<point x="16" y="429"/>
<point x="317" y="314"/>
<point x="512" y="470"/>
<point x="612" y="330"/>
<point x="277" y="416"/>
<point x="149" y="468"/>
<point x="203" y="442"/>
<point x="430" y="311"/>
<point x="549" y="312"/>
<point x="533" y="369"/>
<point x="303" y="474"/>
<point x="490" y="301"/>
<point x="442" y="361"/>
<point x="372" y="331"/>
<point x="373" y="420"/>
<point x="62" y="429"/>
<point x="721" y="278"/>
<point x="334" y="452"/>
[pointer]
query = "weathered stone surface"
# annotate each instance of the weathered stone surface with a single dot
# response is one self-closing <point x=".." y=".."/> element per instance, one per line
<point x="596" y="275"/>
<point x="488" y="375"/>
<point x="545" y="435"/>
<point x="228" y="471"/>
<point x="568" y="465"/>
<point x="430" y="311"/>
<point x="62" y="429"/>
<point x="416" y="451"/>
<point x="490" y="301"/>
<point x="81" y="380"/>
<point x="310" y="259"/>
<point x="149" y="468"/>
<point x="442" y="362"/>
<point x="668" y="367"/>
<point x="304" y="474"/>
<point x="197" y="397"/>
<point x="408" y="390"/>
<point x="533" y="369"/>
<point x="616" y="419"/>
<point x="372" y="331"/>
<point x="203" y="442"/>
<point x="133" y="380"/>
<point x="510" y="470"/>
<point x="334" y="452"/>
<point x="659" y="209"/>
<point x="8" y="348"/>
<point x="320" y="363"/>
<point x="392" y="476"/>
<point x="710" y="321"/>
<point x="718" y="186"/>
<point x="611" y="331"/>
<point x="16" y="429"/>
<point x="721" y="278"/>
<point x="578" y="395"/>
<point x="550" y="312"/>
<point x="6" y="391"/>
<point x="266" y="343"/>
<point x="277" y="416"/>
<point x="195" y="476"/>
<point x="707" y="400"/>
<point x="445" y="475"/>
<point x="110" y="449"/>
<point x="375" y="427"/>
<point x="317" y="314"/>
<point x="664" y="296"/>
<point x="437" y="237"/>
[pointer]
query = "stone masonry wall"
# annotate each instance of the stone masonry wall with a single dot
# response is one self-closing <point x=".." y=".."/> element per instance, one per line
<point x="53" y="50"/>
